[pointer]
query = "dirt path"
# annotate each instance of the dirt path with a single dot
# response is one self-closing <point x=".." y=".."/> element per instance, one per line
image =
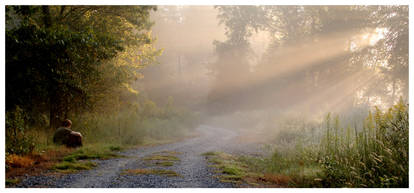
<point x="192" y="167"/>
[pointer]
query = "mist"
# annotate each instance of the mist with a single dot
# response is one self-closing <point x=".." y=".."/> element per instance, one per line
<point x="264" y="95"/>
<point x="226" y="60"/>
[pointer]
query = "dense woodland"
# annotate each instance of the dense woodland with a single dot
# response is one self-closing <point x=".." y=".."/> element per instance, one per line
<point x="324" y="78"/>
<point x="78" y="63"/>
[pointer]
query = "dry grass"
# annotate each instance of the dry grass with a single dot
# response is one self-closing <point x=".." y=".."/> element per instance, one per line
<point x="277" y="179"/>
<point x="34" y="163"/>
<point x="17" y="161"/>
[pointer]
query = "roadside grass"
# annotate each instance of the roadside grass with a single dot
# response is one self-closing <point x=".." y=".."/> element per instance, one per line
<point x="61" y="159"/>
<point x="168" y="173"/>
<point x="75" y="161"/>
<point x="17" y="161"/>
<point x="230" y="169"/>
<point x="259" y="172"/>
<point x="94" y="152"/>
<point x="35" y="162"/>
<point x="373" y="155"/>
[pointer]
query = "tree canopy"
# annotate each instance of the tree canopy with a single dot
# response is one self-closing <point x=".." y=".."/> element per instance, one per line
<point x="66" y="59"/>
<point x="363" y="48"/>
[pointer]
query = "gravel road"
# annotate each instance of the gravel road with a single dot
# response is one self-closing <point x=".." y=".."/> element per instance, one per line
<point x="192" y="167"/>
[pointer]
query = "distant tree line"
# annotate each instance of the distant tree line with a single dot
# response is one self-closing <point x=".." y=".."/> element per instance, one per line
<point x="310" y="35"/>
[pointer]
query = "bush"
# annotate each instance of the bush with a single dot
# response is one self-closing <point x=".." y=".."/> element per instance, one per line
<point x="17" y="142"/>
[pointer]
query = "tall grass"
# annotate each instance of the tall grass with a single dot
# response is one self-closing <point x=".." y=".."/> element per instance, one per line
<point x="375" y="155"/>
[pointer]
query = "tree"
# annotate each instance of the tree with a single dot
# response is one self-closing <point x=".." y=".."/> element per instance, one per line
<point x="233" y="54"/>
<point x="319" y="56"/>
<point x="57" y="55"/>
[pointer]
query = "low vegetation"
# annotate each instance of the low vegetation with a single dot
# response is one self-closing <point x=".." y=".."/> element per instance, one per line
<point x="103" y="137"/>
<point x="93" y="152"/>
<point x="70" y="167"/>
<point x="228" y="166"/>
<point x="375" y="155"/>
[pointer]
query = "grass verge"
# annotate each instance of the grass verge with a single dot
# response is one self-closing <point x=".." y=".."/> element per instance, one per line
<point x="249" y="171"/>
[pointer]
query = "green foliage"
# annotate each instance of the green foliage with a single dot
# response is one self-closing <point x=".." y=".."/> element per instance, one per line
<point x="376" y="156"/>
<point x="68" y="59"/>
<point x="17" y="141"/>
<point x="93" y="151"/>
<point x="296" y="32"/>
<point x="231" y="169"/>
<point x="76" y="160"/>
<point x="139" y="123"/>
<point x="71" y="167"/>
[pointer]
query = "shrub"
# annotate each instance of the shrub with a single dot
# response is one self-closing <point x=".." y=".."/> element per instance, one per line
<point x="17" y="142"/>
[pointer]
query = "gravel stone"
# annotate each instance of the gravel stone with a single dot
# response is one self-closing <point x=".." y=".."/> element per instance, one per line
<point x="192" y="167"/>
